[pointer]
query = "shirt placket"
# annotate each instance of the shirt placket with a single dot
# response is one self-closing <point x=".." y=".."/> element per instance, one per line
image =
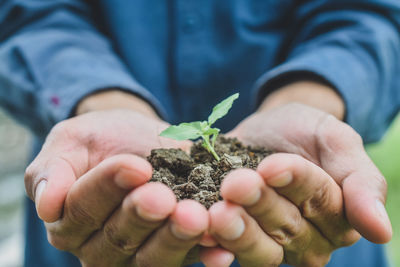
<point x="190" y="51"/>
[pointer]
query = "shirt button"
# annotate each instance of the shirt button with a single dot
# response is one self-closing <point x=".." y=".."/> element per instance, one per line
<point x="191" y="23"/>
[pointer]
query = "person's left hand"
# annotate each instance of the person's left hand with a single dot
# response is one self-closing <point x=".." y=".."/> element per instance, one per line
<point x="288" y="211"/>
<point x="302" y="220"/>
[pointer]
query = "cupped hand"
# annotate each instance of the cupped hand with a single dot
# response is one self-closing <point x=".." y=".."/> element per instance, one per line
<point x="337" y="149"/>
<point x="89" y="184"/>
<point x="288" y="211"/>
<point x="75" y="146"/>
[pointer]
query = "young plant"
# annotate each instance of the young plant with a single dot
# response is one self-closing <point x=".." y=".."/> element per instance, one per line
<point x="197" y="129"/>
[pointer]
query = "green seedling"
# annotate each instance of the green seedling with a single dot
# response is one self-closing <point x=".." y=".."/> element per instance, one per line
<point x="197" y="129"/>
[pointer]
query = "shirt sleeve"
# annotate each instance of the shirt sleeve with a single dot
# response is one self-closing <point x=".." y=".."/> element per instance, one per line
<point x="51" y="56"/>
<point x="352" y="45"/>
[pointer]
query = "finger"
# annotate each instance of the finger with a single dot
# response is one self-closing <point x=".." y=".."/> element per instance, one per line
<point x="170" y="245"/>
<point x="313" y="191"/>
<point x="207" y="240"/>
<point x="365" y="207"/>
<point x="216" y="257"/>
<point x="49" y="177"/>
<point x="237" y="232"/>
<point x="49" y="187"/>
<point x="364" y="187"/>
<point x="142" y="212"/>
<point x="94" y="196"/>
<point x="277" y="216"/>
<point x="302" y="243"/>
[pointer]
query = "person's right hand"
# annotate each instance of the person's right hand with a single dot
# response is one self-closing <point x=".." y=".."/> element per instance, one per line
<point x="89" y="186"/>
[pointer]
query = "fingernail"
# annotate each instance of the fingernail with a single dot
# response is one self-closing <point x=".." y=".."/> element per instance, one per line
<point x="39" y="190"/>
<point x="281" y="180"/>
<point x="149" y="216"/>
<point x="234" y="230"/>
<point x="252" y="198"/>
<point x="127" y="179"/>
<point x="182" y="233"/>
<point x="382" y="213"/>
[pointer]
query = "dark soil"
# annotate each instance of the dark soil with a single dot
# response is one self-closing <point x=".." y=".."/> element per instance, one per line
<point x="198" y="176"/>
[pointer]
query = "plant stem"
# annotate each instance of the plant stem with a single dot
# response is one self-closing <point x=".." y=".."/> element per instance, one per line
<point x="209" y="147"/>
<point x="214" y="138"/>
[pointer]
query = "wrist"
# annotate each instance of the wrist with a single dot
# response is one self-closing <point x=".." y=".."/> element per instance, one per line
<point x="114" y="99"/>
<point x="310" y="93"/>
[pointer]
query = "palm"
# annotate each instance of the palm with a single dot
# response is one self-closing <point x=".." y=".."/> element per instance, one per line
<point x="332" y="145"/>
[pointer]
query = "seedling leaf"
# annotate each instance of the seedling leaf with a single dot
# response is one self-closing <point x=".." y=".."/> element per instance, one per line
<point x="183" y="131"/>
<point x="196" y="129"/>
<point x="221" y="109"/>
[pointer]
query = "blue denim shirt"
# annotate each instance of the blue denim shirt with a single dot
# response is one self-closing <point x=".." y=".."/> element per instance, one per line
<point x="183" y="56"/>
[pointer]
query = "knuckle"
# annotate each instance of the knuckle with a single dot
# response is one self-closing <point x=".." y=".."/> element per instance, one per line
<point x="120" y="243"/>
<point x="280" y="236"/>
<point x="295" y="227"/>
<point x="291" y="230"/>
<point x="79" y="216"/>
<point x="312" y="207"/>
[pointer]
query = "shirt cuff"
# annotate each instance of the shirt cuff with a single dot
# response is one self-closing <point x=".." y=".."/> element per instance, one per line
<point x="60" y="104"/>
<point x="345" y="77"/>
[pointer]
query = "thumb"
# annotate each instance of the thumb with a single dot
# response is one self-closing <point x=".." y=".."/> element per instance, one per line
<point x="48" y="188"/>
<point x="364" y="197"/>
<point x="364" y="188"/>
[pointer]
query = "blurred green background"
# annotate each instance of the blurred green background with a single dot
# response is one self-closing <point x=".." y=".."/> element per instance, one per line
<point x="386" y="155"/>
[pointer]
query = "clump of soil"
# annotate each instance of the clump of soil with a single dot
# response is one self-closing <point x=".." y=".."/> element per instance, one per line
<point x="198" y="176"/>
